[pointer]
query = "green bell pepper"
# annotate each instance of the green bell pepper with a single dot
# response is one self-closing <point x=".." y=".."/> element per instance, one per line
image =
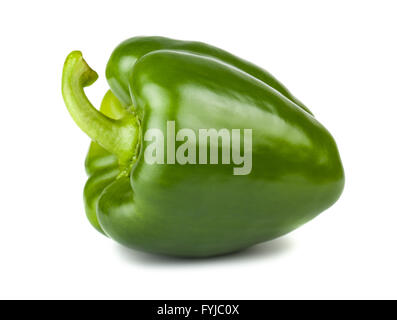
<point x="191" y="208"/>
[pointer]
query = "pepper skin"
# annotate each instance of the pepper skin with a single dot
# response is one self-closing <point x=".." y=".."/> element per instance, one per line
<point x="197" y="210"/>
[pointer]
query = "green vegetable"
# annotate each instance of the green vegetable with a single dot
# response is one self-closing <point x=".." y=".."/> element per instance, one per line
<point x="190" y="208"/>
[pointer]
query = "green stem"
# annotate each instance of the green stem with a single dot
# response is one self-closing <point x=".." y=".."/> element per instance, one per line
<point x="119" y="137"/>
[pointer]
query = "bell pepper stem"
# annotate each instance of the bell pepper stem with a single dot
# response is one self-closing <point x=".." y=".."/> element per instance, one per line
<point x="119" y="137"/>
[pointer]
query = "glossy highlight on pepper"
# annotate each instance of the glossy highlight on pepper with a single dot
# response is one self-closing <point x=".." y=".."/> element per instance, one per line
<point x="195" y="210"/>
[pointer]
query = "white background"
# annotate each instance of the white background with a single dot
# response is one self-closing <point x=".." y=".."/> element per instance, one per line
<point x="338" y="57"/>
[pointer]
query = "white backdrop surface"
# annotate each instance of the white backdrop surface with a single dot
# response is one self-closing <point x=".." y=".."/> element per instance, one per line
<point x="338" y="57"/>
